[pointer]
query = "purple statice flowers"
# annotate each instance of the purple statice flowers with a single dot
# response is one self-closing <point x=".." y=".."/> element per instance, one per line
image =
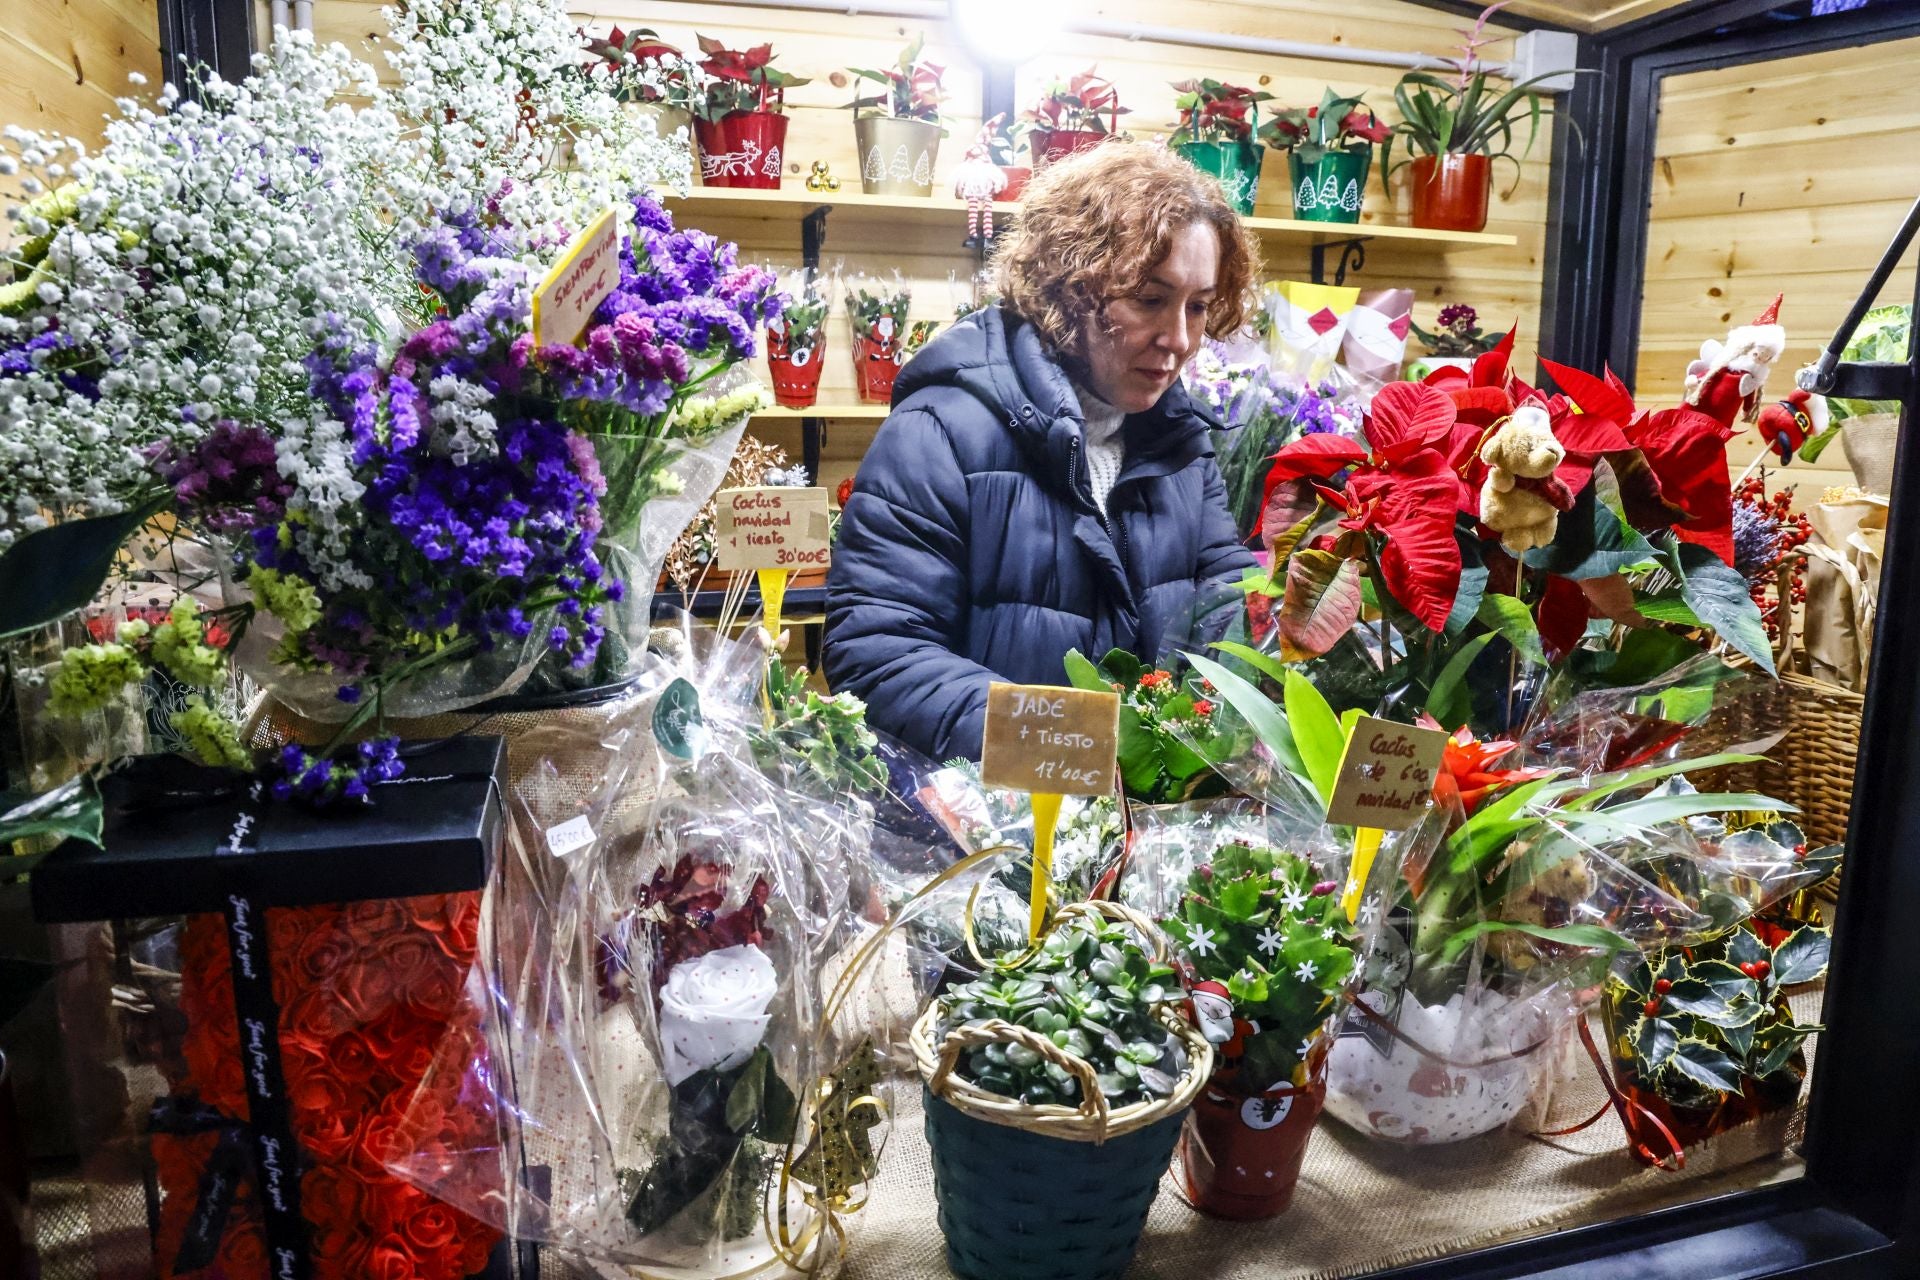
<point x="229" y="477"/>
<point x="345" y="775"/>
<point x="683" y="302"/>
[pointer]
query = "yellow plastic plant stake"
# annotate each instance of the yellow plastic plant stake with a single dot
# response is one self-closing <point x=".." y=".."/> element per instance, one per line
<point x="773" y="594"/>
<point x="1366" y="846"/>
<point x="1046" y="820"/>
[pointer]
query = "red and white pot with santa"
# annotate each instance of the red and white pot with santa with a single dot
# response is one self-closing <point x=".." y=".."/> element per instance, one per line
<point x="1240" y="1153"/>
<point x="877" y="357"/>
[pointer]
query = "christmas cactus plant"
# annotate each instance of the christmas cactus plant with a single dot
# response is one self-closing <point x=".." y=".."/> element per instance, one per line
<point x="1264" y="924"/>
<point x="1094" y="992"/>
<point x="827" y="731"/>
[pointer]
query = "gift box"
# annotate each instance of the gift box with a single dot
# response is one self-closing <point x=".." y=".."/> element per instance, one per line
<point x="252" y="993"/>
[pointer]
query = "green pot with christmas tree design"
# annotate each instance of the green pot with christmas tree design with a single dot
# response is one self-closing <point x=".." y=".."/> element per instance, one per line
<point x="897" y="156"/>
<point x="1236" y="164"/>
<point x="1330" y="188"/>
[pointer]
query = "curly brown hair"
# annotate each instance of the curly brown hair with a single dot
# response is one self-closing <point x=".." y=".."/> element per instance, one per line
<point x="1093" y="225"/>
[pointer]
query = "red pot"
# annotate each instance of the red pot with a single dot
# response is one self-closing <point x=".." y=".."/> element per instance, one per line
<point x="742" y="149"/>
<point x="876" y="363"/>
<point x="796" y="374"/>
<point x="1017" y="179"/>
<point x="1049" y="145"/>
<point x="1450" y="192"/>
<point x="1240" y="1156"/>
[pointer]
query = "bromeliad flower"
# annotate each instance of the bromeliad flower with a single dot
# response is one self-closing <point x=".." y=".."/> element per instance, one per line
<point x="1466" y="767"/>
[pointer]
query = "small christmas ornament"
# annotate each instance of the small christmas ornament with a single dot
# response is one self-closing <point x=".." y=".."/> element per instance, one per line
<point x="820" y="179"/>
<point x="840" y="1156"/>
<point x="977" y="181"/>
<point x="1787" y="424"/>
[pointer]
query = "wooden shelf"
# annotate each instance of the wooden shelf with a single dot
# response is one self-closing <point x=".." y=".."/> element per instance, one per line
<point x="793" y="202"/>
<point x="831" y="412"/>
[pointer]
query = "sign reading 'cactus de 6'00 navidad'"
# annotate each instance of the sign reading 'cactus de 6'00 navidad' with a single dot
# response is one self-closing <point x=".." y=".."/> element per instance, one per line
<point x="772" y="528"/>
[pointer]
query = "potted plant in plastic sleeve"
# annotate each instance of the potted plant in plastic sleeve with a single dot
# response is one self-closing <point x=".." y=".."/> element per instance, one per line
<point x="1329" y="150"/>
<point x="1216" y="132"/>
<point x="1455" y="342"/>
<point x="741" y="123"/>
<point x="877" y="312"/>
<point x="797" y="340"/>
<point x="653" y="78"/>
<point x="897" y="130"/>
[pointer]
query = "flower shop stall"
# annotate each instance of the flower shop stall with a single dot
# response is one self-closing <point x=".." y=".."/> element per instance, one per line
<point x="424" y="856"/>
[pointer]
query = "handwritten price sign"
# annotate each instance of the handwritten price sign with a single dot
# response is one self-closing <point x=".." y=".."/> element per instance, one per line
<point x="1048" y="740"/>
<point x="772" y="529"/>
<point x="564" y="300"/>
<point x="1386" y="776"/>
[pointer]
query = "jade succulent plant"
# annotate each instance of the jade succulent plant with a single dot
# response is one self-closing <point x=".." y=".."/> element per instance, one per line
<point x="1095" y="993"/>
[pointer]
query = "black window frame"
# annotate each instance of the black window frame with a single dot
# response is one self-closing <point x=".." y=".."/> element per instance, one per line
<point x="1855" y="1215"/>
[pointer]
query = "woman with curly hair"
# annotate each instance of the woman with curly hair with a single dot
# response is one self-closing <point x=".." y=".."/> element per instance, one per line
<point x="1043" y="482"/>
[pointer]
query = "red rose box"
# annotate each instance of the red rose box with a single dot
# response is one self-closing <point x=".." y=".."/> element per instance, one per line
<point x="258" y="1008"/>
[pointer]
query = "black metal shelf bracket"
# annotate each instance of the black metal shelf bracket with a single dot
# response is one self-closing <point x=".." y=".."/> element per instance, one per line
<point x="1353" y="256"/>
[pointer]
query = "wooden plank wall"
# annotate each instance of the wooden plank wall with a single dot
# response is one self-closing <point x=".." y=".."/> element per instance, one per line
<point x="1503" y="283"/>
<point x="1785" y="176"/>
<point x="67" y="60"/>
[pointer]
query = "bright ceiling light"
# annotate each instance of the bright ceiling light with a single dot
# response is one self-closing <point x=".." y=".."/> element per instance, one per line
<point x="1008" y="32"/>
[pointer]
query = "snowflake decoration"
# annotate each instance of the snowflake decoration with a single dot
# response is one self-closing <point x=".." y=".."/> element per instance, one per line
<point x="1330" y="933"/>
<point x="1306" y="971"/>
<point x="1369" y="909"/>
<point x="1269" y="941"/>
<point x="1294" y="899"/>
<point x="1202" y="943"/>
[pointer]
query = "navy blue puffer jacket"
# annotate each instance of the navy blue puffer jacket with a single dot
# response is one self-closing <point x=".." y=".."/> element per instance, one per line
<point x="972" y="550"/>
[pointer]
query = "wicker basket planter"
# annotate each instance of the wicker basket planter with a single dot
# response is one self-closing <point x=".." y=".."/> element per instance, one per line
<point x="1045" y="1192"/>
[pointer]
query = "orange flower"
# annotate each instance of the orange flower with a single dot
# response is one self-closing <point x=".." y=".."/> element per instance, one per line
<point x="1466" y="771"/>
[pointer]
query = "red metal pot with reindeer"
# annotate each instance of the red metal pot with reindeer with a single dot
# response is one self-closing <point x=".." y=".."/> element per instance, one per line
<point x="741" y="123"/>
<point x="1267" y="950"/>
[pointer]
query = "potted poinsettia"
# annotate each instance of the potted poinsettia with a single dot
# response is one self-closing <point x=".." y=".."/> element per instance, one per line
<point x="1056" y="1085"/>
<point x="1072" y="115"/>
<point x="897" y="130"/>
<point x="1329" y="150"/>
<point x="741" y="121"/>
<point x="1267" y="950"/>
<point x="1454" y="129"/>
<point x="653" y="78"/>
<point x="1216" y="131"/>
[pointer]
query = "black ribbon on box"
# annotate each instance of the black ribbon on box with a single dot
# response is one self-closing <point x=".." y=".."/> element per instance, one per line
<point x="179" y="838"/>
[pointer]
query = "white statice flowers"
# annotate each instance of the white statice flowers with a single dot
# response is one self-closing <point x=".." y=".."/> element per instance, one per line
<point x="183" y="273"/>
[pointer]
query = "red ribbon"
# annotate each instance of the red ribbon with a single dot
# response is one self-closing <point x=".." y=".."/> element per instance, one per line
<point x="1618" y="1100"/>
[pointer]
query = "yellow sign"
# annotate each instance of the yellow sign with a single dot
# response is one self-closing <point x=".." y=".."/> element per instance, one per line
<point x="1049" y="740"/>
<point x="772" y="528"/>
<point x="1386" y="775"/>
<point x="564" y="301"/>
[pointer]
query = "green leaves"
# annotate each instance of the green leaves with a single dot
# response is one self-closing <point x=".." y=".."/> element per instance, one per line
<point x="1703" y="1064"/>
<point x="1512" y="620"/>
<point x="55" y="571"/>
<point x="1801" y="956"/>
<point x="70" y="811"/>
<point x="1450" y="701"/>
<point x="1255" y="708"/>
<point x="1590" y="936"/>
<point x="1317" y="735"/>
<point x="761" y="1102"/>
<point x="1654" y="1041"/>
<point x="1718" y="596"/>
<point x="1593" y="541"/>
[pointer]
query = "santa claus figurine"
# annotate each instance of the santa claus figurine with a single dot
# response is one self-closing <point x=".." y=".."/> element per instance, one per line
<point x="977" y="181"/>
<point x="1787" y="424"/>
<point x="1727" y="379"/>
<point x="1213" y="1013"/>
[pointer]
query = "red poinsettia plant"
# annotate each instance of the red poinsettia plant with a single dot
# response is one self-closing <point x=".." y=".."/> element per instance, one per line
<point x="1478" y="508"/>
<point x="743" y="80"/>
<point x="1337" y="124"/>
<point x="1213" y="111"/>
<point x="909" y="90"/>
<point x="1085" y="103"/>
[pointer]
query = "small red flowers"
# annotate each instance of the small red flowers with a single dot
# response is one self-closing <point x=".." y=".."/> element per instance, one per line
<point x="1155" y="679"/>
<point x="1203" y="708"/>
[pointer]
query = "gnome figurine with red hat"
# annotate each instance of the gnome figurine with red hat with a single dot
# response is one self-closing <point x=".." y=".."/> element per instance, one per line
<point x="977" y="181"/>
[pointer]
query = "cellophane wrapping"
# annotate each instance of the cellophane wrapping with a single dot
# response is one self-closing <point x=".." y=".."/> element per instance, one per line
<point x="685" y="995"/>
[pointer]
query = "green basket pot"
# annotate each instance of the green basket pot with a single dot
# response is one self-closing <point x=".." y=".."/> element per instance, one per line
<point x="1236" y="164"/>
<point x="1332" y="188"/>
<point x="1016" y="1205"/>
